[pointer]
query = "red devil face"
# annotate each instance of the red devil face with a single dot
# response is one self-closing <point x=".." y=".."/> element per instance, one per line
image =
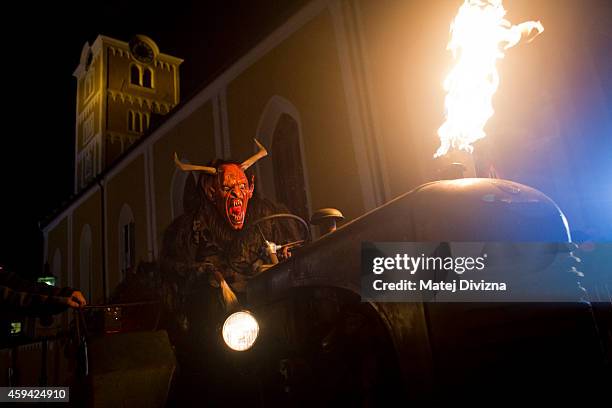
<point x="230" y="192"/>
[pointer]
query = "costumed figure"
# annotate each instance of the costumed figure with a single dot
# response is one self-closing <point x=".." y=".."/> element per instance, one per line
<point x="209" y="253"/>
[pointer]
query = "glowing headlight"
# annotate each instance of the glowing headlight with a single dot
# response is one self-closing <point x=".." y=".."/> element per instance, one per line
<point x="240" y="331"/>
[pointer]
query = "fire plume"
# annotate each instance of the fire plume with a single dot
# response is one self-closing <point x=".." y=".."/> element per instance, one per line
<point x="479" y="36"/>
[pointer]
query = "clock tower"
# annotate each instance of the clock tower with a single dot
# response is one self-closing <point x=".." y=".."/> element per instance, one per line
<point x="121" y="88"/>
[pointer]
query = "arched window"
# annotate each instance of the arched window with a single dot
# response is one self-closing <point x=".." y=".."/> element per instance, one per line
<point x="183" y="190"/>
<point x="284" y="178"/>
<point x="135" y="74"/>
<point x="147" y="78"/>
<point x="85" y="262"/>
<point x="127" y="240"/>
<point x="138" y="122"/>
<point x="288" y="168"/>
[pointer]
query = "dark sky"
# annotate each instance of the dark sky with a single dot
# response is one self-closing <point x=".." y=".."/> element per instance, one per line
<point x="41" y="49"/>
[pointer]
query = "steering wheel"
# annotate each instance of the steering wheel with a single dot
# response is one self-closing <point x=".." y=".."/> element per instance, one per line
<point x="305" y="229"/>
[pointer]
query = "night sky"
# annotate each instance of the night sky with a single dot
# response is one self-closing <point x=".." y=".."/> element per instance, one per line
<point x="41" y="51"/>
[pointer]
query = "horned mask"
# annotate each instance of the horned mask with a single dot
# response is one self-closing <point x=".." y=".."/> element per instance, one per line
<point x="227" y="186"/>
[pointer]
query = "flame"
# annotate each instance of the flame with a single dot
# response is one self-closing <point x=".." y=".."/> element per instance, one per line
<point x="477" y="34"/>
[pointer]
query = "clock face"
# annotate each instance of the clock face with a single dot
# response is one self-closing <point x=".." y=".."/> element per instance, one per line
<point x="142" y="51"/>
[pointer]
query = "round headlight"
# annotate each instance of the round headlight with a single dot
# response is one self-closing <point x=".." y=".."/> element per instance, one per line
<point x="240" y="331"/>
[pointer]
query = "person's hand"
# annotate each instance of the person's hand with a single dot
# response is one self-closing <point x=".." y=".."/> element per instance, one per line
<point x="286" y="251"/>
<point x="76" y="300"/>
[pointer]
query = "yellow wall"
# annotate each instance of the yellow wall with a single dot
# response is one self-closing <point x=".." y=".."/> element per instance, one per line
<point x="95" y="113"/>
<point x="305" y="70"/>
<point x="89" y="212"/>
<point x="405" y="44"/>
<point x="58" y="239"/>
<point x="133" y="97"/>
<point x="113" y="150"/>
<point x="92" y="98"/>
<point x="117" y="115"/>
<point x="192" y="139"/>
<point x="96" y="65"/>
<point x="126" y="187"/>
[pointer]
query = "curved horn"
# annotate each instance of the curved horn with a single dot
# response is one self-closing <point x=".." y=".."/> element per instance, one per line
<point x="251" y="160"/>
<point x="191" y="167"/>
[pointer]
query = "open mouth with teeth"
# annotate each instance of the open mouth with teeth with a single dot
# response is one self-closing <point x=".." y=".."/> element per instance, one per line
<point x="234" y="211"/>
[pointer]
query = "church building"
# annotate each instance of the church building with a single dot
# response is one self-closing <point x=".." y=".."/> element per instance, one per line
<point x="346" y="95"/>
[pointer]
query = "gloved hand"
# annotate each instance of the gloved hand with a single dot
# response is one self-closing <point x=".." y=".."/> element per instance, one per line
<point x="76" y="300"/>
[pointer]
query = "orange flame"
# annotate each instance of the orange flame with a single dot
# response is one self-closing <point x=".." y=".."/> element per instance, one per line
<point x="477" y="33"/>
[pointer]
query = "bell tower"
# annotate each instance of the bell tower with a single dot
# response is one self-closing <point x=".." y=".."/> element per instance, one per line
<point x="121" y="88"/>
